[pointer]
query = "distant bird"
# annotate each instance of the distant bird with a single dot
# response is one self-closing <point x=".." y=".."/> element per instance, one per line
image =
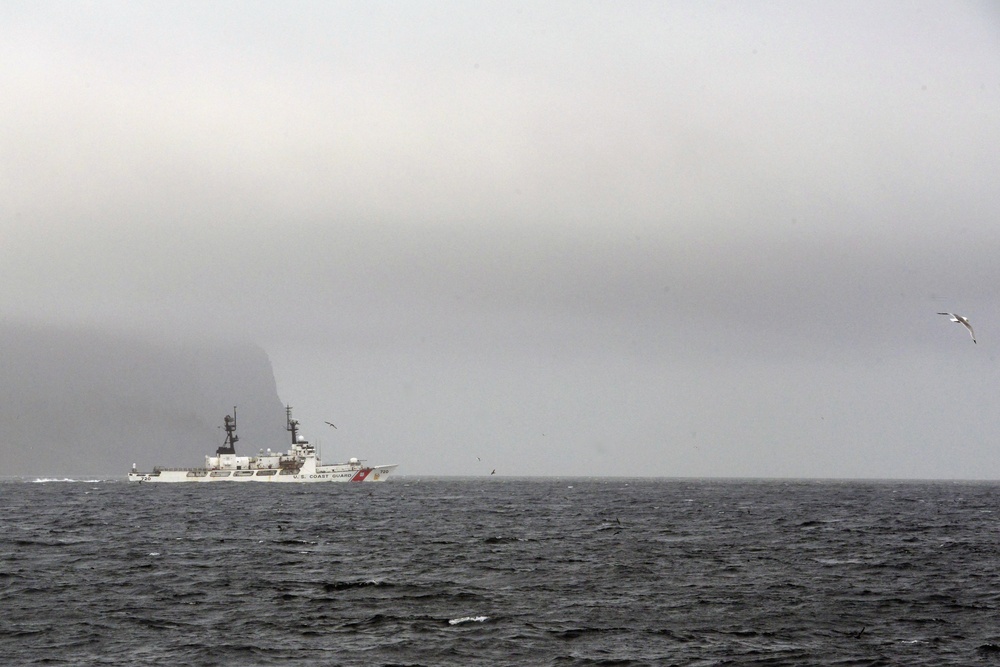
<point x="494" y="471"/>
<point x="331" y="424"/>
<point x="964" y="321"/>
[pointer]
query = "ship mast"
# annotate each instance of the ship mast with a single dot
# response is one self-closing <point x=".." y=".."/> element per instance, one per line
<point x="293" y="427"/>
<point x="229" y="446"/>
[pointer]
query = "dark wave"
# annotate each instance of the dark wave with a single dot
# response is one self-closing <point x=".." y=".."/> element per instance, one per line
<point x="348" y="585"/>
<point x="444" y="572"/>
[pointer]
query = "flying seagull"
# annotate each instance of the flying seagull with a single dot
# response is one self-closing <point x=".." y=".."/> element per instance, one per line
<point x="330" y="424"/>
<point x="964" y="321"/>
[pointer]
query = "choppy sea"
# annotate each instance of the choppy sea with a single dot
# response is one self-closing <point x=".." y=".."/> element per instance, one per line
<point x="500" y="571"/>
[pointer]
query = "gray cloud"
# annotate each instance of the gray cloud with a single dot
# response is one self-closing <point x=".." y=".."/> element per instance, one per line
<point x="675" y="239"/>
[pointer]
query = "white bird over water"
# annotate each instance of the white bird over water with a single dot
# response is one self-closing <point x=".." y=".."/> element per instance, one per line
<point x="964" y="321"/>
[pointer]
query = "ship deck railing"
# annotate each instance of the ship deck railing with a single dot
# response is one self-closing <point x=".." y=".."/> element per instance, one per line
<point x="159" y="469"/>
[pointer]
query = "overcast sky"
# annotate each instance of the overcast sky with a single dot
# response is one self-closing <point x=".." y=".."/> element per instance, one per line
<point x="546" y="238"/>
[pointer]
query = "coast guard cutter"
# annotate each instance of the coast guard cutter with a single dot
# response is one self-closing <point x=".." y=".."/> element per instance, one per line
<point x="300" y="464"/>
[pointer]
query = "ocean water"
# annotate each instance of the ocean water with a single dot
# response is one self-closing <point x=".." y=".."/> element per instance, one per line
<point x="500" y="571"/>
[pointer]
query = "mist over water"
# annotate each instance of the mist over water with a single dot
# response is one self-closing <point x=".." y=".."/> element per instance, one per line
<point x="712" y="238"/>
<point x="500" y="571"/>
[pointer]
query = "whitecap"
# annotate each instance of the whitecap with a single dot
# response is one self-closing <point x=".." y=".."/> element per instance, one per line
<point x="46" y="480"/>
<point x="467" y="619"/>
<point x="838" y="561"/>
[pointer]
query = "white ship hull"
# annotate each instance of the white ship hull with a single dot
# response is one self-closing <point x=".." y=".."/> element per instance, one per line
<point x="299" y="465"/>
<point x="332" y="473"/>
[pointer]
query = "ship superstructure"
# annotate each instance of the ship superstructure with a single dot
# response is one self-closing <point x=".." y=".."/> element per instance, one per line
<point x="300" y="463"/>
